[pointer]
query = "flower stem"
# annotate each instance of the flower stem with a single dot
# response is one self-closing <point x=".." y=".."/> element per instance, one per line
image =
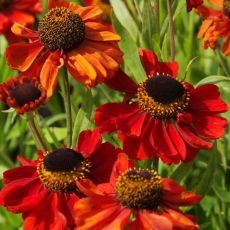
<point x="66" y="96"/>
<point x="156" y="14"/>
<point x="222" y="63"/>
<point x="36" y="132"/>
<point x="171" y="29"/>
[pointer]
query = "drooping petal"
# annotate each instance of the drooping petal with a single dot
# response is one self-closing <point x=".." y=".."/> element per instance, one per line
<point x="28" y="53"/>
<point x="89" y="142"/>
<point x="49" y="71"/>
<point x="190" y="136"/>
<point x="23" y="31"/>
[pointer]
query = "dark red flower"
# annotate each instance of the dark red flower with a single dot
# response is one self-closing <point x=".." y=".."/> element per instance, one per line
<point x="21" y="11"/>
<point x="44" y="190"/>
<point x="25" y="91"/>
<point x="136" y="198"/>
<point x="193" y="4"/>
<point x="162" y="116"/>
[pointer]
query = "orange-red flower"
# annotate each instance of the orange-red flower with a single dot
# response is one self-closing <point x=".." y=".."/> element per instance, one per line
<point x="21" y="11"/>
<point x="136" y="198"/>
<point x="193" y="4"/>
<point x="44" y="190"/>
<point x="162" y="116"/>
<point x="216" y="24"/>
<point x="70" y="36"/>
<point x="104" y="5"/>
<point x="25" y="91"/>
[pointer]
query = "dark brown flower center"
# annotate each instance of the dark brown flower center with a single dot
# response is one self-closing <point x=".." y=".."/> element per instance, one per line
<point x="164" y="89"/>
<point x="60" y="170"/>
<point x="25" y="93"/>
<point x="226" y="6"/>
<point x="162" y="97"/>
<point x="139" y="189"/>
<point x="4" y="4"/>
<point x="62" y="160"/>
<point x="62" y="29"/>
<point x="106" y="1"/>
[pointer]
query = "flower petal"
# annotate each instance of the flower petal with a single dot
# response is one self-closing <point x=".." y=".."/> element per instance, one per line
<point x="28" y="53"/>
<point x="89" y="142"/>
<point x="23" y="31"/>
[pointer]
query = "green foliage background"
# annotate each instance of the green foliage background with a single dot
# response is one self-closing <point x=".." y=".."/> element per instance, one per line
<point x="207" y="175"/>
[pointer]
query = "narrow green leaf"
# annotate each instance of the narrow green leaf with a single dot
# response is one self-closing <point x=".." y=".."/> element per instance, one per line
<point x="222" y="194"/>
<point x="130" y="49"/>
<point x="182" y="171"/>
<point x="83" y="118"/>
<point x="206" y="179"/>
<point x="148" y="24"/>
<point x="125" y="18"/>
<point x="214" y="80"/>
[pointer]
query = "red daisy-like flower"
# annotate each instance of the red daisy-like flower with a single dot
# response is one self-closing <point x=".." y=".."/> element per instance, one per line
<point x="21" y="11"/>
<point x="68" y="35"/>
<point x="215" y="25"/>
<point x="162" y="116"/>
<point x="44" y="190"/>
<point x="25" y="91"/>
<point x="193" y="4"/>
<point x="136" y="198"/>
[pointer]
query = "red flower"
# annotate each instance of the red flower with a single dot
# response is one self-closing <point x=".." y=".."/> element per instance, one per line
<point x="193" y="4"/>
<point x="21" y="11"/>
<point x="44" y="190"/>
<point x="25" y="92"/>
<point x="216" y="24"/>
<point x="136" y="198"/>
<point x="162" y="116"/>
<point x="68" y="35"/>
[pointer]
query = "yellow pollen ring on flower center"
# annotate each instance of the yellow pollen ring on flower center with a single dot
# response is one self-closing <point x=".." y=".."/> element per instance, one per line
<point x="161" y="110"/>
<point x="63" y="181"/>
<point x="137" y="191"/>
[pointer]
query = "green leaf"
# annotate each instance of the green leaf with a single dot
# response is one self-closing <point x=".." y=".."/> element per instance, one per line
<point x="206" y="179"/>
<point x="130" y="49"/>
<point x="148" y="29"/>
<point x="222" y="194"/>
<point x="125" y="18"/>
<point x="182" y="171"/>
<point x="83" y="119"/>
<point x="219" y="80"/>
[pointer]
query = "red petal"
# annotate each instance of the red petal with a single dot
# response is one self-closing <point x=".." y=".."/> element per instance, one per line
<point x="209" y="126"/>
<point x="88" y="188"/>
<point x="106" y="115"/>
<point x="177" y="140"/>
<point x="182" y="199"/>
<point x="122" y="82"/>
<point x="171" y="186"/>
<point x="20" y="56"/>
<point x="206" y="98"/>
<point x="189" y="135"/>
<point x="120" y="166"/>
<point x="89" y="142"/>
<point x="101" y="169"/>
<point x="193" y="4"/>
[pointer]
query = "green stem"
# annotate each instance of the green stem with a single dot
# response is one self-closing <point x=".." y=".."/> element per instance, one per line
<point x="222" y="63"/>
<point x="156" y="14"/>
<point x="156" y="164"/>
<point x="36" y="132"/>
<point x="171" y="29"/>
<point x="67" y="103"/>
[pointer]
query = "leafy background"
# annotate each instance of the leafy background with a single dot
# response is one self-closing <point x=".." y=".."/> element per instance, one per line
<point x="134" y="20"/>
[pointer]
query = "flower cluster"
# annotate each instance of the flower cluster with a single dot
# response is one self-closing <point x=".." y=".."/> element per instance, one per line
<point x="95" y="184"/>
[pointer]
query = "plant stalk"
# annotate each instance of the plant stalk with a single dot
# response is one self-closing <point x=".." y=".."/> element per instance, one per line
<point x="66" y="97"/>
<point x="36" y="132"/>
<point x="171" y="29"/>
